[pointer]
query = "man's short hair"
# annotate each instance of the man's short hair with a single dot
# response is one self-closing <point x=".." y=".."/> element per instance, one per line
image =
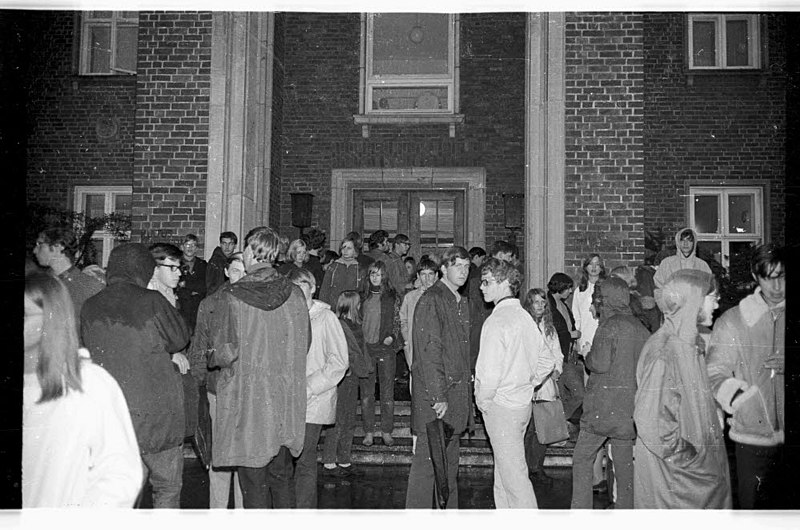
<point x="503" y="270"/>
<point x="504" y="246"/>
<point x="64" y="236"/>
<point x="427" y="264"/>
<point x="190" y="237"/>
<point x="377" y="237"/>
<point x="162" y="251"/>
<point x="229" y="235"/>
<point x="558" y="282"/>
<point x="766" y="258"/>
<point x="314" y="238"/>
<point x="401" y="238"/>
<point x="298" y="276"/>
<point x="355" y="237"/>
<point x="236" y="256"/>
<point x="687" y="234"/>
<point x="264" y="242"/>
<point x="476" y="252"/>
<point x="452" y="254"/>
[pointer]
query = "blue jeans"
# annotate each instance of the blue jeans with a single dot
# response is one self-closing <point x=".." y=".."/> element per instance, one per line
<point x="339" y="437"/>
<point x="164" y="470"/>
<point x="384" y="358"/>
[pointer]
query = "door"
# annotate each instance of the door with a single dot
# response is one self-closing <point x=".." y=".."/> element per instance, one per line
<point x="432" y="220"/>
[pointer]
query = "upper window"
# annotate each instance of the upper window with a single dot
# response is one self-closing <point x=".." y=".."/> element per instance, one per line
<point x="410" y="63"/>
<point x="109" y="42"/>
<point x="724" y="41"/>
<point x="99" y="202"/>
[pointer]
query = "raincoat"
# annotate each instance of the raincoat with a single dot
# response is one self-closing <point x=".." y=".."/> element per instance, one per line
<point x="672" y="264"/>
<point x="680" y="454"/>
<point x="326" y="364"/>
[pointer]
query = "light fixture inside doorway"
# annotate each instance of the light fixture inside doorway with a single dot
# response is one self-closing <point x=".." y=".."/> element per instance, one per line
<point x="421" y="209"/>
<point x="416" y="35"/>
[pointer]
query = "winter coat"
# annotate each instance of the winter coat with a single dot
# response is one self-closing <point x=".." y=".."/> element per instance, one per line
<point x="260" y="342"/>
<point x="611" y="388"/>
<point x="441" y="367"/>
<point x="563" y="328"/>
<point x="743" y="338"/>
<point x="201" y="346"/>
<point x="397" y="273"/>
<point x="342" y="275"/>
<point x="81" y="287"/>
<point x="360" y="362"/>
<point x="681" y="460"/>
<point x="390" y="321"/>
<point x="326" y="364"/>
<point x="215" y="270"/>
<point x="131" y="332"/>
<point x="672" y="264"/>
<point x="191" y="290"/>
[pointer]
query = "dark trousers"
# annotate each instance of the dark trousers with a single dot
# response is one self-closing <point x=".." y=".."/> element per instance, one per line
<point x="384" y="359"/>
<point x="759" y="471"/>
<point x="570" y="386"/>
<point x="339" y="437"/>
<point x="305" y="469"/>
<point x="582" y="462"/>
<point x="268" y="486"/>
<point x="164" y="470"/>
<point x="534" y="451"/>
<point x="421" y="478"/>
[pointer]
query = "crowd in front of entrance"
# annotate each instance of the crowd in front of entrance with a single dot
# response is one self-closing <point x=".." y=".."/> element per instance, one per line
<point x="255" y="352"/>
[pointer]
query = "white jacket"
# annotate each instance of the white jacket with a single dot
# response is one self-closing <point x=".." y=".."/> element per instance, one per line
<point x="552" y="350"/>
<point x="584" y="321"/>
<point x="326" y="364"/>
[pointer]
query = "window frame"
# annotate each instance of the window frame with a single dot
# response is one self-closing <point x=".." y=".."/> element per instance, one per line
<point x="754" y="49"/>
<point x="114" y="22"/>
<point x="449" y="81"/>
<point x="80" y="192"/>
<point x="723" y="236"/>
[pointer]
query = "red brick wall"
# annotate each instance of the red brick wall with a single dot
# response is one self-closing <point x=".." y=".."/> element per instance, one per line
<point x="63" y="111"/>
<point x="604" y="186"/>
<point x="729" y="126"/>
<point x="320" y="97"/>
<point x="173" y="85"/>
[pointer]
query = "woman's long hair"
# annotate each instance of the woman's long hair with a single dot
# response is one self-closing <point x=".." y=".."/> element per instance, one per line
<point x="385" y="288"/>
<point x="583" y="283"/>
<point x="347" y="306"/>
<point x="59" y="365"/>
<point x="547" y="318"/>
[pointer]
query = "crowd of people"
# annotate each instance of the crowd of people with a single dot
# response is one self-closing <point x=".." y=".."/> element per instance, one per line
<point x="274" y="343"/>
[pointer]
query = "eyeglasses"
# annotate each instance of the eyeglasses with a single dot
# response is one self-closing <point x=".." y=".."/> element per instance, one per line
<point x="173" y="268"/>
<point x="484" y="283"/>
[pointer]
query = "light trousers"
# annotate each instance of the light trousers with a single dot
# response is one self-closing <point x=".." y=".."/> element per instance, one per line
<point x="506" y="430"/>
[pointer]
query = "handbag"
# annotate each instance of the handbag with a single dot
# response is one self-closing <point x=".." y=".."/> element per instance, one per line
<point x="549" y="421"/>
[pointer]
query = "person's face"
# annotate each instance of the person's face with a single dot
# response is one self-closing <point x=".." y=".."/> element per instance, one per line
<point x="34" y="318"/>
<point x="235" y="271"/>
<point x="402" y="248"/>
<point x="456" y="274"/>
<point x="478" y="260"/>
<point x="686" y="246"/>
<point x="300" y="255"/>
<point x="593" y="267"/>
<point x="773" y="287"/>
<point x="189" y="249"/>
<point x="384" y="246"/>
<point x="563" y="295"/>
<point x="375" y="278"/>
<point x="539" y="306"/>
<point x="427" y="278"/>
<point x="45" y="253"/>
<point x="409" y="268"/>
<point x="492" y="289"/>
<point x="710" y="304"/>
<point x="168" y="272"/>
<point x="347" y="251"/>
<point x="227" y="245"/>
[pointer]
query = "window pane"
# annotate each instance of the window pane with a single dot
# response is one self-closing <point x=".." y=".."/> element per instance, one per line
<point x="96" y="253"/>
<point x="710" y="250"/>
<point x="122" y="204"/>
<point x="740" y="214"/>
<point x="437" y="221"/>
<point x="94" y="205"/>
<point x="410" y="44"/>
<point x="99" y="49"/>
<point x="739" y="267"/>
<point x="126" y="47"/>
<point x="704" y="47"/>
<point x="736" y="38"/>
<point x="380" y="215"/>
<point x="706" y="216"/>
<point x="404" y="98"/>
<point x="99" y="14"/>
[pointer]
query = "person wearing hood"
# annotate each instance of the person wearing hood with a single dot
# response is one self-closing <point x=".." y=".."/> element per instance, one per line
<point x="326" y="364"/>
<point x="344" y="274"/>
<point x="680" y="455"/>
<point x="685" y="258"/>
<point x="217" y="264"/>
<point x="261" y="391"/>
<point x="746" y="360"/>
<point x="132" y="332"/>
<point x="610" y="390"/>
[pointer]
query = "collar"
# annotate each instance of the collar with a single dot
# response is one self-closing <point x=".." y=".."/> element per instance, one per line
<point x="509" y="297"/>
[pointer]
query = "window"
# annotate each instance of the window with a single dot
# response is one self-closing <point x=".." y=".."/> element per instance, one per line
<point x="724" y="41"/>
<point x="410" y="63"/>
<point x="99" y="201"/>
<point x="728" y="222"/>
<point x="109" y="41"/>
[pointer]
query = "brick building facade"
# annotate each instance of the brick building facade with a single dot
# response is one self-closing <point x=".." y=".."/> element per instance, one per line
<point x="639" y="130"/>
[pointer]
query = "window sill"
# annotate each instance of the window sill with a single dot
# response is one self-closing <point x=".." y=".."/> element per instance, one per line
<point x="747" y="73"/>
<point x="404" y="119"/>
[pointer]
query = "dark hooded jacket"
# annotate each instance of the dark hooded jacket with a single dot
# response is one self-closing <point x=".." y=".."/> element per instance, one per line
<point x="215" y="271"/>
<point x="611" y="388"/>
<point x="131" y="332"/>
<point x="260" y="337"/>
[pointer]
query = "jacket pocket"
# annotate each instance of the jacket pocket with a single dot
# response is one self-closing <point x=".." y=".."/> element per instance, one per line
<point x="751" y="418"/>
